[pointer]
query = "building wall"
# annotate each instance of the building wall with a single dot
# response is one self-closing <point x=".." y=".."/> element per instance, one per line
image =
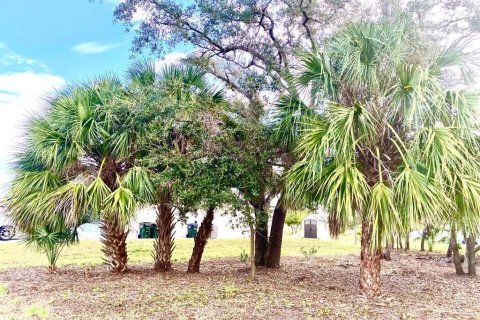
<point x="223" y="226"/>
<point x="322" y="224"/>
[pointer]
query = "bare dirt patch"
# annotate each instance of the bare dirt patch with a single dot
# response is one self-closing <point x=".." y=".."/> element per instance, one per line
<point x="319" y="288"/>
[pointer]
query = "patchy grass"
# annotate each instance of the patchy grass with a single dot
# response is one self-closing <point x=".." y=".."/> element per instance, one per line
<point x="415" y="286"/>
<point x="318" y="280"/>
<point x="37" y="312"/>
<point x="3" y="289"/>
<point x="88" y="252"/>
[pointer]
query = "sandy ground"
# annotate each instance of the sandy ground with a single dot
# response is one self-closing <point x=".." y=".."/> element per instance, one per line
<point x="415" y="286"/>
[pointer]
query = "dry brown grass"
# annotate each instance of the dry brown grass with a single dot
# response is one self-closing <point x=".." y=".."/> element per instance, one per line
<point x="318" y="288"/>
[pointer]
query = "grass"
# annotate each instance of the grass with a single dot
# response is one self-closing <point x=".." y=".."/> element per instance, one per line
<point x="317" y="288"/>
<point x="88" y="252"/>
<point x="37" y="311"/>
<point x="3" y="289"/>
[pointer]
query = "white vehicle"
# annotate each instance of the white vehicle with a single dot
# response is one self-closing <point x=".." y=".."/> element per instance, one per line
<point x="7" y="229"/>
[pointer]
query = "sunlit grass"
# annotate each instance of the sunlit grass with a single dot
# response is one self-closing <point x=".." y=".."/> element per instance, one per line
<point x="88" y="252"/>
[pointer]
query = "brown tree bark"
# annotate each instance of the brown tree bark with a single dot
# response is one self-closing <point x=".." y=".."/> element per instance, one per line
<point x="470" y="255"/>
<point x="251" y="225"/>
<point x="386" y="254"/>
<point x="164" y="244"/>
<point x="449" y="250"/>
<point x="261" y="231"/>
<point x="369" y="262"/>
<point x="113" y="235"/>
<point x="407" y="241"/>
<point x="274" y="251"/>
<point x="456" y="254"/>
<point x="115" y="246"/>
<point x="424" y="237"/>
<point x="201" y="239"/>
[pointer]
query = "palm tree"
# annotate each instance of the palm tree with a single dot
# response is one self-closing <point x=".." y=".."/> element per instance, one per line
<point x="178" y="102"/>
<point x="390" y="140"/>
<point x="79" y="160"/>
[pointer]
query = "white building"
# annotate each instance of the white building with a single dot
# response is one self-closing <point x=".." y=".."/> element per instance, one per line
<point x="315" y="225"/>
<point x="224" y="226"/>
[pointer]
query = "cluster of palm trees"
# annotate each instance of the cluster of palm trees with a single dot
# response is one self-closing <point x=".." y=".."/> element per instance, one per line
<point x="379" y="133"/>
<point x="81" y="159"/>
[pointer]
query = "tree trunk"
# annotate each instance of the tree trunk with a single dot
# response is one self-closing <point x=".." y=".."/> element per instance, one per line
<point x="407" y="241"/>
<point x="424" y="237"/>
<point x="252" y="247"/>
<point x="276" y="236"/>
<point x="370" y="262"/>
<point x="399" y="242"/>
<point x="114" y="246"/>
<point x="261" y="232"/>
<point x="386" y="254"/>
<point x="470" y="255"/>
<point x="456" y="254"/>
<point x="164" y="244"/>
<point x="449" y="250"/>
<point x="201" y="239"/>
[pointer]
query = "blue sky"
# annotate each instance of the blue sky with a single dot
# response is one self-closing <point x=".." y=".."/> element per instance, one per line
<point x="45" y="44"/>
<point x="74" y="39"/>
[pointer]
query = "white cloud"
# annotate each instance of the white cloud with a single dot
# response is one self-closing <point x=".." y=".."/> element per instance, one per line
<point x="140" y="14"/>
<point x="92" y="47"/>
<point x="11" y="59"/>
<point x="171" y="58"/>
<point x="21" y="94"/>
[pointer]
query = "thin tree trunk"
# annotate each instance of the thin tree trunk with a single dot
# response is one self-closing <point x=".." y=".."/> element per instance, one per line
<point x="276" y="236"/>
<point x="456" y="254"/>
<point x="201" y="239"/>
<point x="470" y="255"/>
<point x="251" y="224"/>
<point x="424" y="236"/>
<point x="114" y="246"/>
<point x="261" y="232"/>
<point x="386" y="254"/>
<point x="449" y="250"/>
<point x="370" y="262"/>
<point x="399" y="242"/>
<point x="407" y="241"/>
<point x="164" y="244"/>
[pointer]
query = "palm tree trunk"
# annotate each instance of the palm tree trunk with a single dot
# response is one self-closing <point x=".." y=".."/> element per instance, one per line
<point x="201" y="239"/>
<point x="407" y="241"/>
<point x="470" y="255"/>
<point x="276" y="235"/>
<point x="164" y="244"/>
<point x="370" y="261"/>
<point x="456" y="254"/>
<point x="114" y="246"/>
<point x="399" y="242"/>
<point x="386" y="254"/>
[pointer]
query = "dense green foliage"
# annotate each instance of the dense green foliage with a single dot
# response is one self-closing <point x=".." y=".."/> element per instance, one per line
<point x="391" y="139"/>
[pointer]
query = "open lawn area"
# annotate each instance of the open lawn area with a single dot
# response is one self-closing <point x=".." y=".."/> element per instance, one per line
<point x="416" y="285"/>
<point x="88" y="252"/>
<point x="14" y="254"/>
